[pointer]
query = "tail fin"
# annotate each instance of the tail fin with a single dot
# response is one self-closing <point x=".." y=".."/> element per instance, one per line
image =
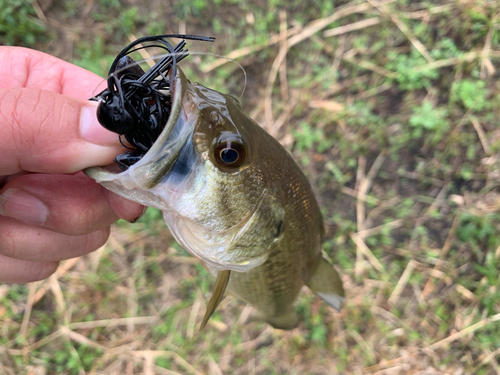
<point x="325" y="282"/>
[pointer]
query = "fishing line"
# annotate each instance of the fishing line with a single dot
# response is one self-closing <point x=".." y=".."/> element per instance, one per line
<point x="158" y="57"/>
<point x="136" y="103"/>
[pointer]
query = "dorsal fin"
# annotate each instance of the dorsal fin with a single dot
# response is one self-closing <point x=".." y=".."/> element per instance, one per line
<point x="219" y="289"/>
<point x="325" y="282"/>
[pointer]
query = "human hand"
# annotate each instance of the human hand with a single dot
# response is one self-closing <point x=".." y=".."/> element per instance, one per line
<point x="49" y="211"/>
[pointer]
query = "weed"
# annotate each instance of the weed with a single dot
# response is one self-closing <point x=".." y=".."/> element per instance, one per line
<point x="409" y="77"/>
<point x="71" y="359"/>
<point x="307" y="137"/>
<point x="164" y="362"/>
<point x="110" y="4"/>
<point x="471" y="94"/>
<point x="93" y="57"/>
<point x="429" y="119"/>
<point x="488" y="290"/>
<point x="17" y="293"/>
<point x="71" y="7"/>
<point x="18" y="23"/>
<point x="319" y="331"/>
<point x="128" y="21"/>
<point x="479" y="230"/>
<point x="446" y="48"/>
<point x="184" y="9"/>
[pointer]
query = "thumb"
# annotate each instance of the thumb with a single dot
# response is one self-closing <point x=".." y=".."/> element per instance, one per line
<point x="46" y="132"/>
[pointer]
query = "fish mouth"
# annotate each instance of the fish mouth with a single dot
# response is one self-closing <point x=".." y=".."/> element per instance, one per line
<point x="136" y="182"/>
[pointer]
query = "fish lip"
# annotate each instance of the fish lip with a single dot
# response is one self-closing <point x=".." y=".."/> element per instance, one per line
<point x="158" y="161"/>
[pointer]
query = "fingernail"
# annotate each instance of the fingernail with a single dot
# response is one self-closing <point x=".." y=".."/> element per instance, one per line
<point x="22" y="206"/>
<point x="92" y="131"/>
<point x="135" y="220"/>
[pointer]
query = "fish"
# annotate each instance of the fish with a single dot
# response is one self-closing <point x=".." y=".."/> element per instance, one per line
<point x="232" y="196"/>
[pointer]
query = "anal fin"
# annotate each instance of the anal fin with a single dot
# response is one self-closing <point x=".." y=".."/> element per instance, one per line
<point x="219" y="289"/>
<point x="325" y="283"/>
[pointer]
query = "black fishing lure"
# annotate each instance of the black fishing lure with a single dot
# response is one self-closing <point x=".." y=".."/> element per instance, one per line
<point x="136" y="104"/>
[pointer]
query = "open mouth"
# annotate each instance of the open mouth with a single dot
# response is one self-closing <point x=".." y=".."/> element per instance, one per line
<point x="140" y="106"/>
<point x="146" y="172"/>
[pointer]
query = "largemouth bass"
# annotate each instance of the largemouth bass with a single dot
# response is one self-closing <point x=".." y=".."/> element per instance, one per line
<point x="232" y="196"/>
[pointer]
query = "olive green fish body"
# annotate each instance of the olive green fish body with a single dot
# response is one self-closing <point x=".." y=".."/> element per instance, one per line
<point x="233" y="196"/>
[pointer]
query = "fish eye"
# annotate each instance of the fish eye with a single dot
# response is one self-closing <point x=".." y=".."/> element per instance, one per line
<point x="230" y="154"/>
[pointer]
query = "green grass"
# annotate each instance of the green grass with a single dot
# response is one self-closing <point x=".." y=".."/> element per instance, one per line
<point x="19" y="24"/>
<point x="438" y="180"/>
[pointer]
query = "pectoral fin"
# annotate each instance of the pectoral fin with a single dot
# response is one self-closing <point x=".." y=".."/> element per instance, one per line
<point x="325" y="282"/>
<point x="219" y="288"/>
